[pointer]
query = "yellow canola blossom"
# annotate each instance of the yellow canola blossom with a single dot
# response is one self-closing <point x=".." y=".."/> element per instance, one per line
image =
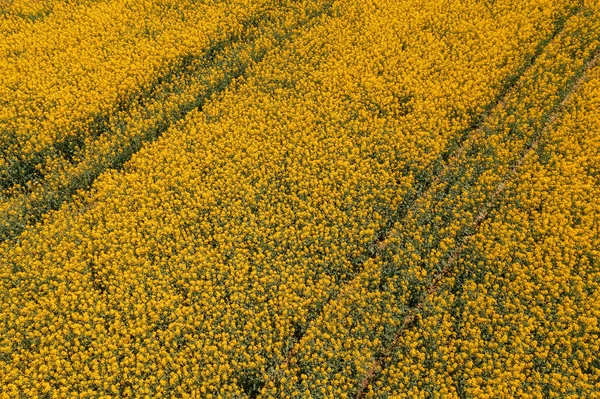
<point x="64" y="76"/>
<point x="519" y="317"/>
<point x="196" y="270"/>
<point x="121" y="134"/>
<point x="21" y="14"/>
<point x="345" y="347"/>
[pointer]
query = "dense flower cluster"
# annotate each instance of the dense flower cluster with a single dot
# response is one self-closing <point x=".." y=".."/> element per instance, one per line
<point x="18" y="14"/>
<point x="74" y="82"/>
<point x="315" y="180"/>
<point x="112" y="137"/>
<point x="381" y="310"/>
<point x="519" y="317"/>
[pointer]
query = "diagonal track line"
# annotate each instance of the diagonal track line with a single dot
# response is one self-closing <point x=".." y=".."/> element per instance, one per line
<point x="444" y="162"/>
<point x="30" y="211"/>
<point x="457" y="148"/>
<point x="380" y="364"/>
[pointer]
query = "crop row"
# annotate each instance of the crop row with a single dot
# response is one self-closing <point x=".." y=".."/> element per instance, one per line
<point x="518" y="317"/>
<point x="196" y="269"/>
<point x="346" y="347"/>
<point x="78" y="161"/>
<point x="65" y="76"/>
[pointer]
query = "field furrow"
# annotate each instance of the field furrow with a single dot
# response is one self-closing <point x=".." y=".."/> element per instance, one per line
<point x="74" y="163"/>
<point x="262" y="219"/>
<point x="64" y="73"/>
<point x="449" y="264"/>
<point x="430" y="176"/>
<point x="518" y="314"/>
<point x="336" y="356"/>
<point x="68" y="79"/>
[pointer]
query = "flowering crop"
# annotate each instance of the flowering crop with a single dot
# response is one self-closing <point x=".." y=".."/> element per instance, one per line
<point x="76" y="81"/>
<point x="21" y="14"/>
<point x="76" y="162"/>
<point x="343" y="347"/>
<point x="519" y="315"/>
<point x="298" y="208"/>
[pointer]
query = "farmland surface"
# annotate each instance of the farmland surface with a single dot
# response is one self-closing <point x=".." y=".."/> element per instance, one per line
<point x="300" y="199"/>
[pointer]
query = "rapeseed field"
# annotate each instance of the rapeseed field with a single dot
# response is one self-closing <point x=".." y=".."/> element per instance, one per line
<point x="300" y="199"/>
